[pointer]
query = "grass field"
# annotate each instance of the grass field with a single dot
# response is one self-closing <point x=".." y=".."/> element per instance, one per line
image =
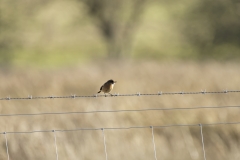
<point x="221" y="142"/>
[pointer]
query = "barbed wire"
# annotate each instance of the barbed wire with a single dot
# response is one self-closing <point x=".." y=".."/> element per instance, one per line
<point x="159" y="93"/>
<point x="116" y="111"/>
<point x="112" y="111"/>
<point x="121" y="128"/>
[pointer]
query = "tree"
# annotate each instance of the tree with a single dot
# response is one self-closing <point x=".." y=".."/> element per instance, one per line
<point x="12" y="16"/>
<point x="8" y="27"/>
<point x="117" y="20"/>
<point x="212" y="24"/>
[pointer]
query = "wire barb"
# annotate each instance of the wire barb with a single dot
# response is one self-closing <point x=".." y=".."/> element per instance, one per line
<point x="51" y="97"/>
<point x="159" y="93"/>
<point x="203" y="91"/>
<point x="73" y="96"/>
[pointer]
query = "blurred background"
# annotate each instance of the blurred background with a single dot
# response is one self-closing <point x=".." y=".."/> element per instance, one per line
<point x="59" y="48"/>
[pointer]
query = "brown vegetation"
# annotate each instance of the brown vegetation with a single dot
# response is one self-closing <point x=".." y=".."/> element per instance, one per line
<point x="221" y="142"/>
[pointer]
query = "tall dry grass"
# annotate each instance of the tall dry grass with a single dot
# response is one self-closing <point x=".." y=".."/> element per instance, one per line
<point x="221" y="142"/>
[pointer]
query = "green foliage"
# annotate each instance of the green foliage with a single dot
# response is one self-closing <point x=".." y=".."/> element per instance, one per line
<point x="214" y="28"/>
<point x="78" y="29"/>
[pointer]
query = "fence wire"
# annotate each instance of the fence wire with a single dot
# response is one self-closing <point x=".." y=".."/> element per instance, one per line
<point x="116" y="111"/>
<point x="6" y="143"/>
<point x="159" y="93"/>
<point x="111" y="111"/>
<point x="104" y="142"/>
<point x="55" y="143"/>
<point x="203" y="147"/>
<point x="154" y="145"/>
<point x="120" y="128"/>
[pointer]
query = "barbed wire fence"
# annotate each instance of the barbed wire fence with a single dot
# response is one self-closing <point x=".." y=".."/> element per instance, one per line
<point x="200" y="125"/>
<point x="159" y="93"/>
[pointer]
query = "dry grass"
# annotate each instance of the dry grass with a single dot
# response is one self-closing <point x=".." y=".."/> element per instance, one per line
<point x="222" y="142"/>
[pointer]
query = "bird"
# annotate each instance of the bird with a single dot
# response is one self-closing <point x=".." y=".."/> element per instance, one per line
<point x="107" y="87"/>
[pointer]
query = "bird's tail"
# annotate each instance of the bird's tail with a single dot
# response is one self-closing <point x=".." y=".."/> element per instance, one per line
<point x="99" y="91"/>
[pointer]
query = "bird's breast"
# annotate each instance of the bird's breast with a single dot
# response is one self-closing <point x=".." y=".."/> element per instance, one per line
<point x="107" y="88"/>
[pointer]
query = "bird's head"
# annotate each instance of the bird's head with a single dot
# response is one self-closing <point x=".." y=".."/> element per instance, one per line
<point x="112" y="81"/>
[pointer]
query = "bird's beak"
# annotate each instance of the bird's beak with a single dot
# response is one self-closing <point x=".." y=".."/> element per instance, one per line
<point x="115" y="81"/>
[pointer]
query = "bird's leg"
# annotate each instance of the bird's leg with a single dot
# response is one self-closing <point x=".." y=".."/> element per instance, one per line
<point x="105" y="95"/>
<point x="110" y="94"/>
